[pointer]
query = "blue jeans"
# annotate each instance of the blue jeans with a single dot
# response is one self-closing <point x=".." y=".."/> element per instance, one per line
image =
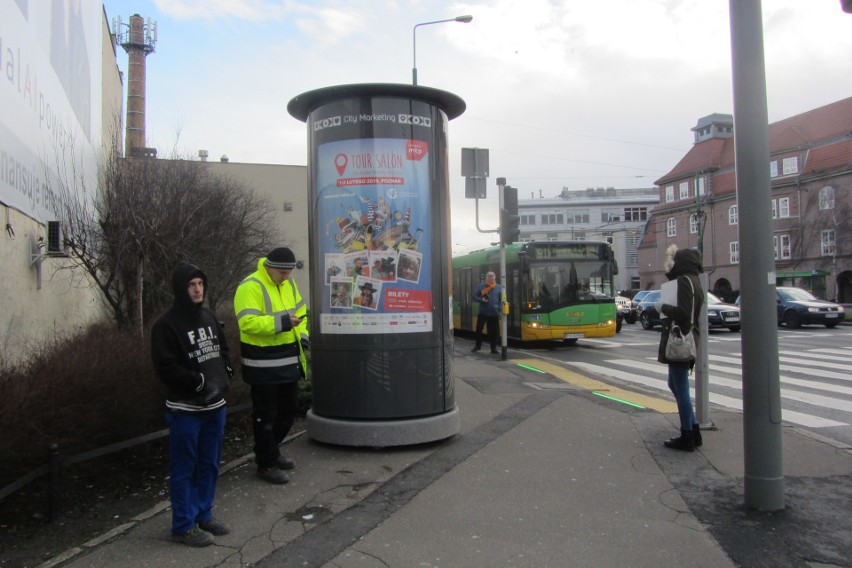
<point x="679" y="385"/>
<point x="195" y="449"/>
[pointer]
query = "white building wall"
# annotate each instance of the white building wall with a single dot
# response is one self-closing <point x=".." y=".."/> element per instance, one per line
<point x="286" y="189"/>
<point x="59" y="80"/>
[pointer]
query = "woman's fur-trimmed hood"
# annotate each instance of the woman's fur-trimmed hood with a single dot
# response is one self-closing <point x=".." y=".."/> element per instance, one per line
<point x="683" y="261"/>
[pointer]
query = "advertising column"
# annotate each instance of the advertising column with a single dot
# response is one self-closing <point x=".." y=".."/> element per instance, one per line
<point x="381" y="337"/>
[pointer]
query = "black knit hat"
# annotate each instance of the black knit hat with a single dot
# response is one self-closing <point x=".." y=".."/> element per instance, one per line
<point x="282" y="258"/>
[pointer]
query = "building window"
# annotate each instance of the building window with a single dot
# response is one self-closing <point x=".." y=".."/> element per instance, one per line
<point x="773" y="169"/>
<point x="826" y="240"/>
<point x="733" y="215"/>
<point x="693" y="224"/>
<point x="635" y="213"/>
<point x="671" y="227"/>
<point x="684" y="190"/>
<point x="610" y="215"/>
<point x="790" y="166"/>
<point x="669" y="193"/>
<point x="781" y="208"/>
<point x="782" y="247"/>
<point x="553" y="219"/>
<point x="826" y="198"/>
<point x="734" y="252"/>
<point x="579" y="216"/>
<point x="527" y="219"/>
<point x="699" y="186"/>
<point x="786" y="247"/>
<point x="784" y="207"/>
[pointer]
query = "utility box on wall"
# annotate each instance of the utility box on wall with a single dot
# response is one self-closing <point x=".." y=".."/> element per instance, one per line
<point x="381" y="335"/>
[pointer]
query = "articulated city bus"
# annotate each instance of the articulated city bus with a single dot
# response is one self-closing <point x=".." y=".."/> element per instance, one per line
<point x="557" y="290"/>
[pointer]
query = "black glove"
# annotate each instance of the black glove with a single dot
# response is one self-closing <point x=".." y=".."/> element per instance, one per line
<point x="306" y="345"/>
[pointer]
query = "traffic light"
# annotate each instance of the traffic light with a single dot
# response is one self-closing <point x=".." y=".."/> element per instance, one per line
<point x="510" y="221"/>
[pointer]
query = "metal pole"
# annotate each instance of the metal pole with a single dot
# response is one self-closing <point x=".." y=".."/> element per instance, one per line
<point x="764" y="475"/>
<point x="53" y="483"/>
<point x="702" y="367"/>
<point x="414" y="55"/>
<point x="462" y="19"/>
<point x="504" y="325"/>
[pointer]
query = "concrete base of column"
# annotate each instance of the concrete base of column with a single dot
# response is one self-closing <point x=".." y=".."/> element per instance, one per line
<point x="383" y="433"/>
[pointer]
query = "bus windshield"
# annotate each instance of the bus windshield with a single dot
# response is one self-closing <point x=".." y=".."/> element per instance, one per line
<point x="562" y="283"/>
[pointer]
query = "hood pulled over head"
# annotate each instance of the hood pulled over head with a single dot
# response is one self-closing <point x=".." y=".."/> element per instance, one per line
<point x="182" y="273"/>
<point x="684" y="261"/>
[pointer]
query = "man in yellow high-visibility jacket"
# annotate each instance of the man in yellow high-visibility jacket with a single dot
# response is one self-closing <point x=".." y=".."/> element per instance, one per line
<point x="273" y="336"/>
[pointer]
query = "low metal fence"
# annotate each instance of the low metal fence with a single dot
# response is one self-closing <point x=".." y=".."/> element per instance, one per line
<point x="54" y="464"/>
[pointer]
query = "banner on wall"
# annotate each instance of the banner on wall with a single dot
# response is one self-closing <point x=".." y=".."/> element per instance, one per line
<point x="374" y="220"/>
<point x="50" y="57"/>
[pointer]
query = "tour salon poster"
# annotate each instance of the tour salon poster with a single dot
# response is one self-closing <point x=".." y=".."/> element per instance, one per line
<point x="374" y="236"/>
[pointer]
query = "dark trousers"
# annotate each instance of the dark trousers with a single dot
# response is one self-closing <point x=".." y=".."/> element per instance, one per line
<point x="493" y="322"/>
<point x="195" y="448"/>
<point x="274" y="409"/>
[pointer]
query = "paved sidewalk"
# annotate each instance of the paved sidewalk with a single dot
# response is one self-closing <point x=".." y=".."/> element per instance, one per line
<point x="543" y="473"/>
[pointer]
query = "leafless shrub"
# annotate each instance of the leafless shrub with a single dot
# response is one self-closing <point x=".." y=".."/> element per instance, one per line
<point x="84" y="392"/>
<point x="149" y="213"/>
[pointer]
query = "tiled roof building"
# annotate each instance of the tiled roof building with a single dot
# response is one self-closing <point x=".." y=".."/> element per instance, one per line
<point x="811" y="198"/>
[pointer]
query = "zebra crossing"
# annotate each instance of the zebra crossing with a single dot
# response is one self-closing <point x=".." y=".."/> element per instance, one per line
<point x="816" y="384"/>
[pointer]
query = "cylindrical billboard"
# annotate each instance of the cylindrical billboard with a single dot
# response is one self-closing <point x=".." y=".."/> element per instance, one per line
<point x="380" y="319"/>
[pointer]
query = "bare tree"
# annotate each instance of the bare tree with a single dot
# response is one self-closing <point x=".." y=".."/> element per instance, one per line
<point x="148" y="214"/>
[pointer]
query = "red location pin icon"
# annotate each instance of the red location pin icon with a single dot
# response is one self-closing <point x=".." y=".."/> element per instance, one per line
<point x="340" y="162"/>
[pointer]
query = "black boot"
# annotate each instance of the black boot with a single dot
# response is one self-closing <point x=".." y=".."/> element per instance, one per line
<point x="476" y="348"/>
<point x="696" y="436"/>
<point x="684" y="443"/>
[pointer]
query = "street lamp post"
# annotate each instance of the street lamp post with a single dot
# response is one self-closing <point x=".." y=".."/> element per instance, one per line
<point x="462" y="19"/>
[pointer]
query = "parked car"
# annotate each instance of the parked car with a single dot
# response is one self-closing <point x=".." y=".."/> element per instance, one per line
<point x="634" y="304"/>
<point x="625" y="309"/>
<point x="797" y="307"/>
<point x="647" y="313"/>
<point x="722" y="314"/>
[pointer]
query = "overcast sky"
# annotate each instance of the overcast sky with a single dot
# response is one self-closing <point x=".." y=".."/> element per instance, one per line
<point x="570" y="93"/>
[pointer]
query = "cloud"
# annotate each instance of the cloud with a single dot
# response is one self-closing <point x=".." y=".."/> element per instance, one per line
<point x="246" y="10"/>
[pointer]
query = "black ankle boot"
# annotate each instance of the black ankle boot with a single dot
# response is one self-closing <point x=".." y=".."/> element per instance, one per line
<point x="696" y="436"/>
<point x="684" y="443"/>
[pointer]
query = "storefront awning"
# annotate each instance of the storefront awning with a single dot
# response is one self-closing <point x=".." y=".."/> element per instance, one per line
<point x="802" y="274"/>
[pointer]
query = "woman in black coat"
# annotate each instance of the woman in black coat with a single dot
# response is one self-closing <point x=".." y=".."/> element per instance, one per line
<point x="684" y="266"/>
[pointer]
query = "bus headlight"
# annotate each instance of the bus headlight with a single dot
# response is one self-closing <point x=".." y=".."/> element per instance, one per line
<point x="538" y="325"/>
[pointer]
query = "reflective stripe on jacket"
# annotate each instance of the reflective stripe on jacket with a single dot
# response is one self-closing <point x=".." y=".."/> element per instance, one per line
<point x="270" y="350"/>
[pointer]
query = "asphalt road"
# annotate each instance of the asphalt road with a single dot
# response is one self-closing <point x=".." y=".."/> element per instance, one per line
<point x="815" y="366"/>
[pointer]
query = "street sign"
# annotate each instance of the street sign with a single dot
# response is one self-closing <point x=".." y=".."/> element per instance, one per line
<point x="474" y="162"/>
<point x="475" y="188"/>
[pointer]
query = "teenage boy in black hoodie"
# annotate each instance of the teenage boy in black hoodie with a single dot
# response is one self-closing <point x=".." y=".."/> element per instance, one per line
<point x="191" y="357"/>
